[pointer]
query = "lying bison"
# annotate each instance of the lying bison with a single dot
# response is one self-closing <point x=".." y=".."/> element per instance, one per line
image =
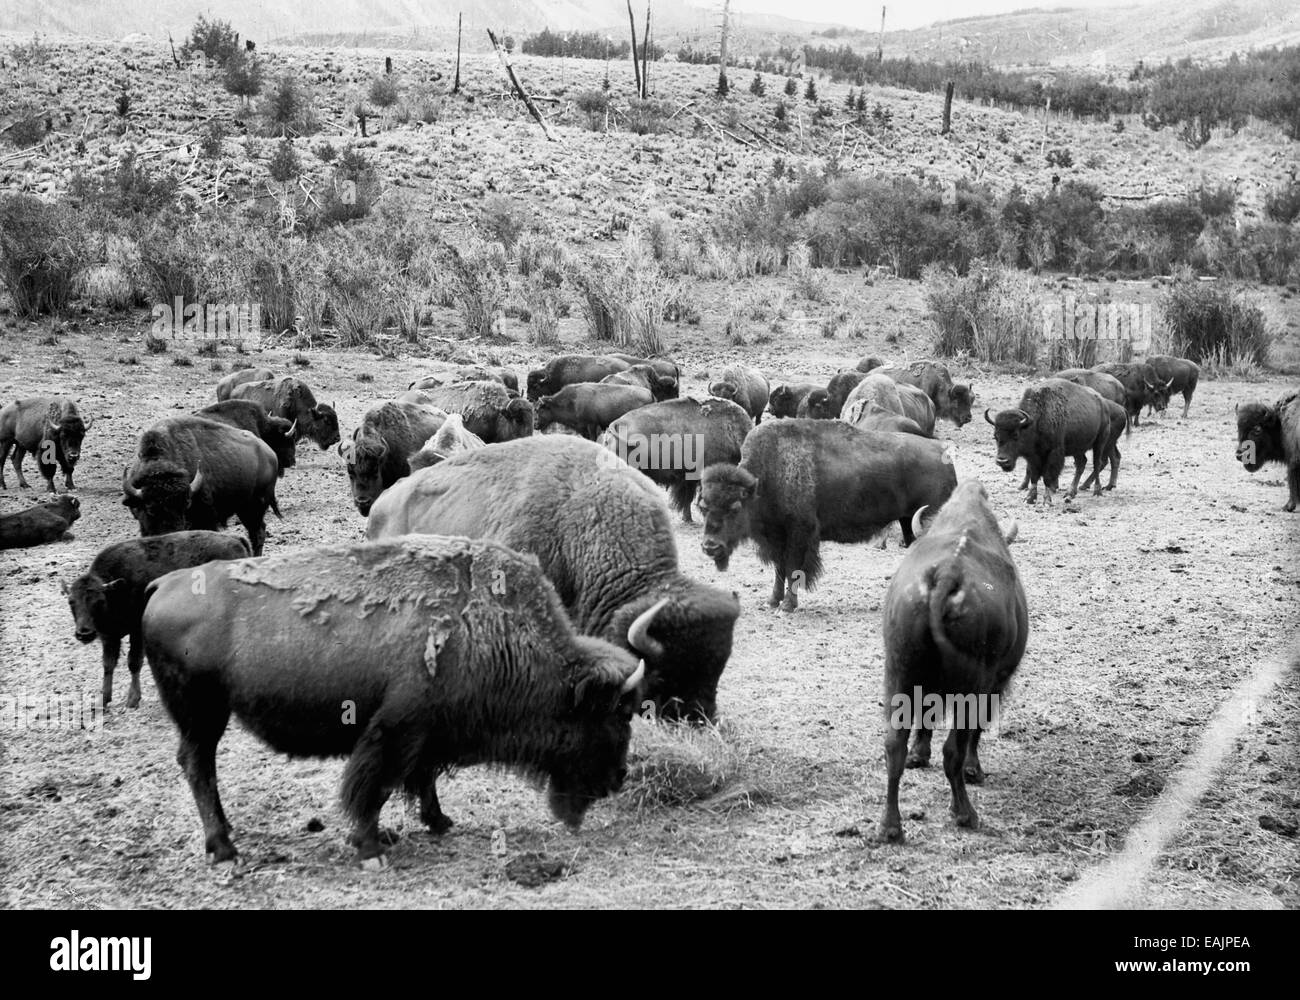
<point x="803" y="482"/>
<point x="277" y="432"/>
<point x="590" y="407"/>
<point x="1272" y="434"/>
<point x="673" y="442"/>
<point x="191" y="472"/>
<point x="467" y="373"/>
<point x="488" y="408"/>
<point x="382" y="446"/>
<point x="604" y="537"/>
<point x="413" y="656"/>
<point x="570" y="368"/>
<point x="107" y="601"/>
<point x="50" y="428"/>
<point x="955" y="624"/>
<point x="744" y="386"/>
<point x="45" y="522"/>
<point x="1178" y="375"/>
<point x="785" y="399"/>
<point x="1055" y="418"/>
<point x="292" y="399"/>
<point x="227" y="385"/>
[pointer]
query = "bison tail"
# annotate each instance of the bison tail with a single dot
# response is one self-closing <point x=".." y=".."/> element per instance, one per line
<point x="945" y="593"/>
<point x="275" y="507"/>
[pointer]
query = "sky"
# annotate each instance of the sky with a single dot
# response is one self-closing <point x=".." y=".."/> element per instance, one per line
<point x="908" y="14"/>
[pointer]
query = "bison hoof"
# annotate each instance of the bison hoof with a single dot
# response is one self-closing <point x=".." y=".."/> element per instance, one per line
<point x="974" y="775"/>
<point x="918" y="760"/>
<point x="790" y="603"/>
<point x="220" y="853"/>
<point x="439" y="824"/>
<point x="968" y="820"/>
<point x="376" y="864"/>
<point x="132" y="699"/>
<point x="890" y="833"/>
<point x="1290" y="508"/>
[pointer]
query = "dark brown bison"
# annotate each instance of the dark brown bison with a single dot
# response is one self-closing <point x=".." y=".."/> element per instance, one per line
<point x="1118" y="426"/>
<point x="1178" y="375"/>
<point x="227" y="385"/>
<point x="412" y="657"/>
<point x="1055" y="418"/>
<point x="45" y="522"/>
<point x="277" y="432"/>
<point x="196" y="473"/>
<point x="383" y="445"/>
<point x="570" y="368"/>
<point x="604" y="537"/>
<point x="1142" y="387"/>
<point x="744" y="386"/>
<point x="673" y="442"/>
<point x="292" y="399"/>
<point x="1272" y="434"/>
<point x="51" y="429"/>
<point x="955" y="628"/>
<point x="804" y="482"/>
<point x="817" y="405"/>
<point x="661" y="387"/>
<point x="837" y="391"/>
<point x="952" y="400"/>
<point x="785" y="399"/>
<point x="590" y="407"/>
<point x="488" y="408"/>
<point x="663" y="366"/>
<point x="1107" y="386"/>
<point x="107" y="601"/>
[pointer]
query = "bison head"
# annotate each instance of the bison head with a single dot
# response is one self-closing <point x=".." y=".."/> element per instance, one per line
<point x="725" y="390"/>
<point x="322" y="426"/>
<point x="1008" y="427"/>
<point x="516" y="420"/>
<point x="725" y="492"/>
<point x="782" y="402"/>
<point x="870" y="363"/>
<point x="1158" y="392"/>
<point x="366" y="459"/>
<point x="960" y="398"/>
<point x="281" y="439"/>
<point x="820" y="405"/>
<point x="536" y="384"/>
<point x="160" y="497"/>
<point x="64" y="426"/>
<point x="663" y="387"/>
<point x="1259" y="435"/>
<point x="97" y="606"/>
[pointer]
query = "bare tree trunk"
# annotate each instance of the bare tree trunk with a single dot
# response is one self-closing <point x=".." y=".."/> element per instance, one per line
<point x="518" y="88"/>
<point x="1046" y="113"/>
<point x="636" y="63"/>
<point x="947" y="108"/>
<point x="645" y="55"/>
<point x="880" y="45"/>
<point x="173" y="45"/>
<point x="722" y="53"/>
<point x="388" y="65"/>
<point x="455" y="87"/>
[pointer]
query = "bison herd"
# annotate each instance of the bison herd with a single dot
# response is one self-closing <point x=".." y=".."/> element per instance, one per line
<point x="519" y="596"/>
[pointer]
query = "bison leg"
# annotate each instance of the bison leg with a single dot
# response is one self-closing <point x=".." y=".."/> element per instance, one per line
<point x="67" y="474"/>
<point x="973" y="772"/>
<point x="683" y="494"/>
<point x="17" y="462"/>
<point x="425" y="785"/>
<point x="112" y="649"/>
<point x="255" y="523"/>
<point x="5" y="447"/>
<point x="891" y="822"/>
<point x="1293" y="486"/>
<point x="373" y="769"/>
<point x="1024" y="483"/>
<point x="919" y="755"/>
<point x="197" y="757"/>
<point x="134" y="660"/>
<point x="1114" y="466"/>
<point x="954" y="761"/>
<point x="1079" y="462"/>
<point x="1187" y="403"/>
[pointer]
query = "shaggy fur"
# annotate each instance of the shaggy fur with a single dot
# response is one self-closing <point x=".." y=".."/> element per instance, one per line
<point x="227" y="385"/>
<point x="785" y="400"/>
<point x="1142" y="387"/>
<point x="45" y="522"/>
<point x="570" y="368"/>
<point x="719" y="423"/>
<point x="1272" y="434"/>
<point x="955" y="623"/>
<point x="239" y="473"/>
<point x="744" y="386"/>
<point x="412" y="656"/>
<point x="1056" y="418"/>
<point x="875" y="388"/>
<point x="248" y="416"/>
<point x="604" y="537"/>
<point x="661" y="387"/>
<point x="292" y="399"/>
<point x="33" y="425"/>
<point x="817" y="405"/>
<point x="488" y="408"/>
<point x="107" y="601"/>
<point x="1118" y="427"/>
<point x="383" y="445"/>
<point x="590" y="407"/>
<point x="802" y="482"/>
<point x="1179" y="375"/>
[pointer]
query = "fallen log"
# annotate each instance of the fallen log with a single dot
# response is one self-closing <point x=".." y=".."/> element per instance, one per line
<point x="518" y="88"/>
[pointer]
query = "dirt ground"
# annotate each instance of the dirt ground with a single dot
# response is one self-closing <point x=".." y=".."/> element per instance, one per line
<point x="1147" y="607"/>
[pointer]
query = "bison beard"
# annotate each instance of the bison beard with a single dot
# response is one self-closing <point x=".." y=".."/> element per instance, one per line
<point x="412" y="657"/>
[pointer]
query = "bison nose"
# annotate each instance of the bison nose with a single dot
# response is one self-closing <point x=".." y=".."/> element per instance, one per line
<point x="710" y="547"/>
<point x="1006" y="464"/>
<point x="85" y="634"/>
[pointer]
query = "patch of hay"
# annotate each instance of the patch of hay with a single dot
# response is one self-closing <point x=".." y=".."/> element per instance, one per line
<point x="674" y="764"/>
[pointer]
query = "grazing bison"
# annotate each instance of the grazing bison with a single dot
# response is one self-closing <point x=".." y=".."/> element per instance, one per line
<point x="869" y="364"/>
<point x="45" y="522"/>
<point x="1141" y="387"/>
<point x="382" y="446"/>
<point x="227" y="385"/>
<point x="955" y="627"/>
<point x="952" y="400"/>
<point x="192" y="472"/>
<point x="785" y="399"/>
<point x="590" y="407"/>
<point x="868" y="416"/>
<point x="451" y="439"/>
<point x="673" y="442"/>
<point x="803" y="482"/>
<point x="292" y="399"/>
<point x="467" y="373"/>
<point x="1178" y="375"/>
<point x="50" y="428"/>
<point x="1055" y="418"/>
<point x="488" y="408"/>
<point x="661" y="387"/>
<point x="1107" y="386"/>
<point x="604" y="537"/>
<point x="570" y="368"/>
<point x="107" y="601"/>
<point x="413" y="656"/>
<point x="277" y="432"/>
<point x="744" y="386"/>
<point x="1272" y="434"/>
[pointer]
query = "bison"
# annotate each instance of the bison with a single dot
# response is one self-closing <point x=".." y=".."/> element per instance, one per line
<point x="191" y="472"/>
<point x="590" y="407"/>
<point x="837" y="391"/>
<point x="1142" y="387"/>
<point x="488" y="408"/>
<point x="785" y="399"/>
<point x="227" y="385"/>
<point x="412" y="656"/>
<point x="1107" y="386"/>
<point x="955" y="627"/>
<point x="467" y="373"/>
<point x="570" y="368"/>
<point x="868" y="416"/>
<point x="1055" y="418"/>
<point x="802" y="482"/>
<point x="818" y="405"/>
<point x="661" y="387"/>
<point x="744" y="386"/>
<point x="292" y="399"/>
<point x="875" y="388"/>
<point x="952" y="400"/>
<point x="45" y="522"/>
<point x="451" y="439"/>
<point x="673" y="442"/>
<point x="663" y="366"/>
<point x="51" y="429"/>
<point x="277" y="432"/>
<point x="869" y="364"/>
<point x="1272" y="434"/>
<point x="1118" y="426"/>
<point x="382" y="446"/>
<point x="107" y="601"/>
<point x="604" y="537"/>
<point x="1178" y="375"/>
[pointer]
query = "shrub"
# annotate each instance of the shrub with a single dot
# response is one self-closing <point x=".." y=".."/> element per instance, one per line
<point x="29" y="126"/>
<point x="625" y="299"/>
<point x="810" y="90"/>
<point x="196" y="260"/>
<point x="215" y="39"/>
<point x="130" y="190"/>
<point x="756" y="86"/>
<point x="243" y="76"/>
<point x="647" y="117"/>
<point x="991" y="313"/>
<point x="1216" y="202"/>
<point x="1059" y="158"/>
<point x="591" y="101"/>
<point x="211" y="138"/>
<point x="504" y="219"/>
<point x="284" y="166"/>
<point x="1209" y="321"/>
<point x="478" y="279"/>
<point x="791" y="88"/>
<point x="287" y="108"/>
<point x="383" y="92"/>
<point x="41" y="251"/>
<point x="1283" y="204"/>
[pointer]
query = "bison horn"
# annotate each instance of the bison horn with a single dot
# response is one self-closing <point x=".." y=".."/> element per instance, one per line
<point x="916" y="520"/>
<point x="638" y="636"/>
<point x="292" y="427"/>
<point x="987" y="417"/>
<point x="634" y="679"/>
<point x="196" y="483"/>
<point x="1025" y="419"/>
<point x="127" y="488"/>
<point x="1169" y="383"/>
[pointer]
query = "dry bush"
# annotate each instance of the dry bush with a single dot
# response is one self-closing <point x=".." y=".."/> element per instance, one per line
<point x="42" y="249"/>
<point x="505" y="220"/>
<point x="992" y="313"/>
<point x="477" y="272"/>
<point x="625" y="299"/>
<point x="1215" y="325"/>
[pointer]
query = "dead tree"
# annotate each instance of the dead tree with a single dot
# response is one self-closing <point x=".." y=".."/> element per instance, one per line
<point x="455" y="87"/>
<point x="947" y="108"/>
<point x="645" y="56"/>
<point x="880" y="45"/>
<point x="636" y="63"/>
<point x="723" y="86"/>
<point x="518" y="88"/>
<point x="388" y="65"/>
<point x="175" y="58"/>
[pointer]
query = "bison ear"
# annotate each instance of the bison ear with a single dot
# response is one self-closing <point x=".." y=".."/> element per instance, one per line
<point x="63" y="586"/>
<point x="596" y="689"/>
